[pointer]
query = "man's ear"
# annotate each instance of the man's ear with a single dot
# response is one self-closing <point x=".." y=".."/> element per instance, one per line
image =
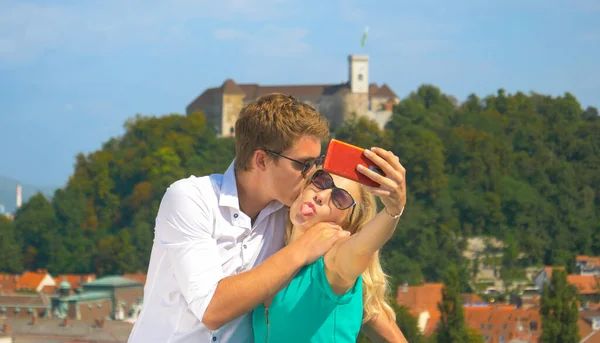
<point x="260" y="159"/>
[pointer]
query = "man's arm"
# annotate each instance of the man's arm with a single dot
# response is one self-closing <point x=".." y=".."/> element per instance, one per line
<point x="239" y="294"/>
<point x="184" y="226"/>
<point x="383" y="329"/>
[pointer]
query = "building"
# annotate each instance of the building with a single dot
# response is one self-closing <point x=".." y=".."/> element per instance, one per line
<point x="337" y="102"/>
<point x="113" y="297"/>
<point x="588" y="265"/>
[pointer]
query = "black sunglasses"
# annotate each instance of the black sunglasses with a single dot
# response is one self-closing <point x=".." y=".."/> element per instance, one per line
<point x="305" y="166"/>
<point x="340" y="197"/>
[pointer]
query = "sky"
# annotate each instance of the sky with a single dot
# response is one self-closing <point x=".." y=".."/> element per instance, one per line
<point x="72" y="72"/>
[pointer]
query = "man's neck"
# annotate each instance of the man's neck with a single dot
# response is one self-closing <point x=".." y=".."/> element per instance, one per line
<point x="251" y="193"/>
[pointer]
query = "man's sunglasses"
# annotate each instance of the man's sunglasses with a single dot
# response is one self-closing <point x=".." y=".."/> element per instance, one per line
<point x="305" y="167"/>
<point x="341" y="198"/>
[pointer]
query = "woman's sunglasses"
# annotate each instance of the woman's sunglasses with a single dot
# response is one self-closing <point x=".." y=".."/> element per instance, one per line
<point x="340" y="197"/>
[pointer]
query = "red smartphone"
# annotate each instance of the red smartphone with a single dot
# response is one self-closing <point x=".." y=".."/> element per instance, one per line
<point x="342" y="160"/>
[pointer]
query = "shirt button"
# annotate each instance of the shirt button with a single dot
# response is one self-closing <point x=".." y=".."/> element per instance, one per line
<point x="245" y="246"/>
<point x="234" y="216"/>
<point x="214" y="339"/>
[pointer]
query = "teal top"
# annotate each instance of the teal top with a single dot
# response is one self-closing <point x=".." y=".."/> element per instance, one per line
<point x="307" y="310"/>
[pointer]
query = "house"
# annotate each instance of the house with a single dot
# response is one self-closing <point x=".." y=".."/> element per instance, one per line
<point x="8" y="283"/>
<point x="110" y="296"/>
<point x="337" y="102"/>
<point x="24" y="305"/>
<point x="504" y="324"/>
<point x="75" y="280"/>
<point x="422" y="302"/>
<point x="588" y="265"/>
<point x="37" y="281"/>
<point x="587" y="286"/>
<point x="589" y="326"/>
<point x="545" y="275"/>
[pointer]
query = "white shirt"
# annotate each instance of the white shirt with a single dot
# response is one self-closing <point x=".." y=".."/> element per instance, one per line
<point x="200" y="237"/>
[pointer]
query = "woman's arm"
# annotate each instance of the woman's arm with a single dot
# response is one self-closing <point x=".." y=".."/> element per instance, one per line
<point x="350" y="257"/>
<point x="383" y="329"/>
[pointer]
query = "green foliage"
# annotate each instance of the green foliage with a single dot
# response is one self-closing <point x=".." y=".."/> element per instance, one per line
<point x="103" y="220"/>
<point x="521" y="168"/>
<point x="559" y="310"/>
<point x="453" y="328"/>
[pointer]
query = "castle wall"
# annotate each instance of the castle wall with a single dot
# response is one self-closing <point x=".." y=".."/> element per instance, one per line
<point x="357" y="103"/>
<point x="331" y="107"/>
<point x="232" y="105"/>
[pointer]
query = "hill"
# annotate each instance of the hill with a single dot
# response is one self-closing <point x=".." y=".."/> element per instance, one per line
<point x="8" y="192"/>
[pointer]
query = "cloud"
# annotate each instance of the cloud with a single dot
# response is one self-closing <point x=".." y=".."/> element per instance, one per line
<point x="30" y="29"/>
<point x="230" y="34"/>
<point x="269" y="41"/>
<point x="590" y="36"/>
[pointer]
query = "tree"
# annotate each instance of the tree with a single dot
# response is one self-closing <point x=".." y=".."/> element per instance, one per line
<point x="559" y="310"/>
<point x="11" y="256"/>
<point x="452" y="327"/>
<point x="407" y="323"/>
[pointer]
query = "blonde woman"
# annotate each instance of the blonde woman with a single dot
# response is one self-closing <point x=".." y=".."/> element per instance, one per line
<point x="330" y="299"/>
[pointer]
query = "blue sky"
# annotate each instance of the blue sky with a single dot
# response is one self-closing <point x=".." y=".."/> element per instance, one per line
<point x="72" y="72"/>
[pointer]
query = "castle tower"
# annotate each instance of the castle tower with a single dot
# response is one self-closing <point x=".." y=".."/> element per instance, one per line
<point x="359" y="73"/>
<point x="19" y="196"/>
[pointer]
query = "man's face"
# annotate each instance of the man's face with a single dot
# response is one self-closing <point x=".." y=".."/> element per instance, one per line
<point x="284" y="177"/>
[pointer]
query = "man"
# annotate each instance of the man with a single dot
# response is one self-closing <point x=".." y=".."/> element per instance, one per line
<point x="218" y="250"/>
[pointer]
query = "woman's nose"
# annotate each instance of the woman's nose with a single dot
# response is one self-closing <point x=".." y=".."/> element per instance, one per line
<point x="322" y="196"/>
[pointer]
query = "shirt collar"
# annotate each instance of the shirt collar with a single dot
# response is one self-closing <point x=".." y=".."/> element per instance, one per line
<point x="229" y="194"/>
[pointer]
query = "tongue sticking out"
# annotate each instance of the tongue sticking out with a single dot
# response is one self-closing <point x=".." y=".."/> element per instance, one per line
<point x="307" y="210"/>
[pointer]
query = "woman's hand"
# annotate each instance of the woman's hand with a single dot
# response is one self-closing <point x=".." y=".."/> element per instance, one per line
<point x="392" y="186"/>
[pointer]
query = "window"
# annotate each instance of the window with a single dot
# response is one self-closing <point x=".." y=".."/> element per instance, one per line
<point x="501" y="339"/>
<point x="489" y="326"/>
<point x="360" y="77"/>
<point x="482" y="326"/>
<point x="533" y="326"/>
<point x="505" y="326"/>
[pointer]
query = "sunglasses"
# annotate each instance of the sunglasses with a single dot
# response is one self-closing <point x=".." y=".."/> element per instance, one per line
<point x="304" y="167"/>
<point x="341" y="198"/>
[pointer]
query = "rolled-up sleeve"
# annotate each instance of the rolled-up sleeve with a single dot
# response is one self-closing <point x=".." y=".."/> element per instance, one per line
<point x="184" y="226"/>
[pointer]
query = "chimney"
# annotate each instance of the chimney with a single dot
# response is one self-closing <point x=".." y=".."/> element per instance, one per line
<point x="34" y="318"/>
<point x="7" y="328"/>
<point x="66" y="321"/>
<point x="100" y="323"/>
<point x="19" y="196"/>
<point x="405" y="288"/>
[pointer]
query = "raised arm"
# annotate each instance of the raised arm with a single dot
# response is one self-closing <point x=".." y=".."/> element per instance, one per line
<point x="185" y="229"/>
<point x="350" y="257"/>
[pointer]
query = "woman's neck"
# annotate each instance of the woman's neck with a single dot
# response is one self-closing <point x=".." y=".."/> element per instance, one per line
<point x="296" y="233"/>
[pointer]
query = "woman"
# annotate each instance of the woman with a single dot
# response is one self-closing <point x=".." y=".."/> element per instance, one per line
<point x="329" y="300"/>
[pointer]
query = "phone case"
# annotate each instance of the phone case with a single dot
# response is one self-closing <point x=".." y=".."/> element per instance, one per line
<point x="343" y="158"/>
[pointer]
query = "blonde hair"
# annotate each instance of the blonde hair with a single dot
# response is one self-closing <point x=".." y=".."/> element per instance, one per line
<point x="274" y="121"/>
<point x="376" y="285"/>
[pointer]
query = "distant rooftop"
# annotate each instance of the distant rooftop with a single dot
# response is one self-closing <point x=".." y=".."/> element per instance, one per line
<point x="113" y="281"/>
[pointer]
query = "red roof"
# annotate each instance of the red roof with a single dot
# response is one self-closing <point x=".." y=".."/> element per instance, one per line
<point x="585" y="284"/>
<point x="30" y="280"/>
<point x="422" y="298"/>
<point x="507" y="322"/>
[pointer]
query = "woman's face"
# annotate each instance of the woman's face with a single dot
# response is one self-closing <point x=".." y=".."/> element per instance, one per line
<point x="315" y="205"/>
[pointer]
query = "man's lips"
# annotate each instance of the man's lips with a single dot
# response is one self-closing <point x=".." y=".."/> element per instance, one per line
<point x="308" y="209"/>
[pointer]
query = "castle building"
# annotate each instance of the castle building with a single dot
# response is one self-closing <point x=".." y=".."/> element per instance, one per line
<point x="337" y="102"/>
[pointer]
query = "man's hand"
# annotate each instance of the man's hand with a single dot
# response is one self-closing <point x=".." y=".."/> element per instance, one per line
<point x="392" y="186"/>
<point x="317" y="240"/>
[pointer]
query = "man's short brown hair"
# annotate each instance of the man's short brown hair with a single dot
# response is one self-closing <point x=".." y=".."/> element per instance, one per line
<point x="274" y="122"/>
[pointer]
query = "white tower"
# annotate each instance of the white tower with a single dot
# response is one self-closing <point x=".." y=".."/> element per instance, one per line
<point x="19" y="196"/>
<point x="359" y="73"/>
